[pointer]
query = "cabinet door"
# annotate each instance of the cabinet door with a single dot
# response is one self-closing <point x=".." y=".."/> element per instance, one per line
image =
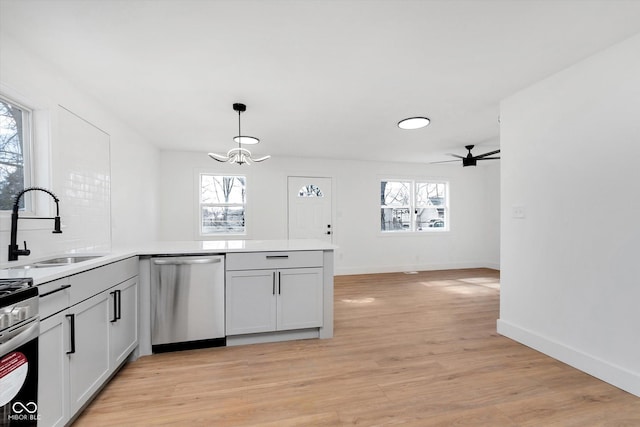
<point x="250" y="301"/>
<point x="89" y="363"/>
<point x="123" y="321"/>
<point x="53" y="370"/>
<point x="299" y="298"/>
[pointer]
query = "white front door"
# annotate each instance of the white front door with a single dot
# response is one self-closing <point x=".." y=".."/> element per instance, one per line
<point x="310" y="208"/>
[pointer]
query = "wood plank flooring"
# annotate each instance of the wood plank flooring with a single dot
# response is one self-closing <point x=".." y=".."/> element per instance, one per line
<point x="411" y="350"/>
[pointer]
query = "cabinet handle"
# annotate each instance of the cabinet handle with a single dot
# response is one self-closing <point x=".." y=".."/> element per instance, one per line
<point x="115" y="307"/>
<point x="119" y="312"/>
<point x="61" y="288"/>
<point x="279" y="284"/>
<point x="273" y="290"/>
<point x="72" y="327"/>
<point x="277" y="256"/>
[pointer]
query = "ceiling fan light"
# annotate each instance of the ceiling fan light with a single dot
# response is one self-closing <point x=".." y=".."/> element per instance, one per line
<point x="413" y="123"/>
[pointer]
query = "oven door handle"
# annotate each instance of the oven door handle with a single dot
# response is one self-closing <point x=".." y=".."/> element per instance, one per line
<point x="19" y="336"/>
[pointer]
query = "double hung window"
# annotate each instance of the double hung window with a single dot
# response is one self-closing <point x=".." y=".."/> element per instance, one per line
<point x="222" y="204"/>
<point x="413" y="206"/>
<point x="15" y="135"/>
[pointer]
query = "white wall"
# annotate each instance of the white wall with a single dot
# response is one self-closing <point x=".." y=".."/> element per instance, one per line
<point x="133" y="161"/>
<point x="472" y="242"/>
<point x="569" y="269"/>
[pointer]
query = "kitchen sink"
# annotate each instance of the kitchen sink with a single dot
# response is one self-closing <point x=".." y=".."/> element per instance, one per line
<point x="65" y="260"/>
<point x="57" y="262"/>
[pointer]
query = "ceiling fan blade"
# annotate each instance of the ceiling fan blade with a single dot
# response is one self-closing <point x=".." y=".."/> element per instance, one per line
<point x="488" y="158"/>
<point x="444" y="161"/>
<point x="455" y="155"/>
<point x="490" y="153"/>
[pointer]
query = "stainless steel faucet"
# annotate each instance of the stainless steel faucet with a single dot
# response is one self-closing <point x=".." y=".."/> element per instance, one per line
<point x="14" y="250"/>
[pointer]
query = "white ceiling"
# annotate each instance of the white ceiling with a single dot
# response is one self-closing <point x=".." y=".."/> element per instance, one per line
<point x="320" y="78"/>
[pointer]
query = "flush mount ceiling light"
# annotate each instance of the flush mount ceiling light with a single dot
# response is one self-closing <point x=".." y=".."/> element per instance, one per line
<point x="239" y="155"/>
<point x="413" y="123"/>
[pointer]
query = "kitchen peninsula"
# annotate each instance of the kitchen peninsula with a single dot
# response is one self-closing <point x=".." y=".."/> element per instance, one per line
<point x="255" y="259"/>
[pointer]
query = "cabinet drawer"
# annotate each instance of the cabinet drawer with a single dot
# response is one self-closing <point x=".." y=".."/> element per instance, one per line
<point x="89" y="283"/>
<point x="54" y="297"/>
<point x="268" y="260"/>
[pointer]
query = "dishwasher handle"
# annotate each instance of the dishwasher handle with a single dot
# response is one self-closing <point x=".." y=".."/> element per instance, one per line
<point x="186" y="261"/>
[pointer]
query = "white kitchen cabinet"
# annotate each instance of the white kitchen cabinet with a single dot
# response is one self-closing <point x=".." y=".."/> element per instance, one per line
<point x="81" y="342"/>
<point x="123" y="321"/>
<point x="89" y="355"/>
<point x="250" y="301"/>
<point x="299" y="298"/>
<point x="273" y="300"/>
<point x="53" y="370"/>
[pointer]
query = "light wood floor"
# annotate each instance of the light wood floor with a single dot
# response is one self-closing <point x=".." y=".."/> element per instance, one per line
<point x="415" y="350"/>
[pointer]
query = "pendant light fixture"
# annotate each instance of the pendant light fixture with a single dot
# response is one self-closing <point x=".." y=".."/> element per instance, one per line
<point x="239" y="155"/>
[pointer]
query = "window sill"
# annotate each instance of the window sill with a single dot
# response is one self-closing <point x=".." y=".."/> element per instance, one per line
<point x="413" y="233"/>
<point x="222" y="237"/>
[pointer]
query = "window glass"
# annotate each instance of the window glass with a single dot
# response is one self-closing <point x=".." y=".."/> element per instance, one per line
<point x="395" y="212"/>
<point x="222" y="204"/>
<point x="430" y="205"/>
<point x="413" y="206"/>
<point x="310" y="191"/>
<point x="14" y="152"/>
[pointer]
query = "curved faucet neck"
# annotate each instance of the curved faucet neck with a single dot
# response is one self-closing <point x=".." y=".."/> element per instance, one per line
<point x="16" y="204"/>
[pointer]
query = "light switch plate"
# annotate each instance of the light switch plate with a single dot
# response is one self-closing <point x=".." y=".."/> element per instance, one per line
<point x="518" y="212"/>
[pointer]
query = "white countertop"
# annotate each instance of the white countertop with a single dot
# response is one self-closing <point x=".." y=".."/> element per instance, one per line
<point x="226" y="246"/>
<point x="47" y="274"/>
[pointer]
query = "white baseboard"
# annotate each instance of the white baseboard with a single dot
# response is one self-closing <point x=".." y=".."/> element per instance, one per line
<point x="492" y="265"/>
<point x="300" y="334"/>
<point x="400" y="268"/>
<point x="615" y="375"/>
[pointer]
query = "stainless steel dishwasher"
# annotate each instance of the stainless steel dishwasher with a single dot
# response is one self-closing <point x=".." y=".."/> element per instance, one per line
<point x="187" y="302"/>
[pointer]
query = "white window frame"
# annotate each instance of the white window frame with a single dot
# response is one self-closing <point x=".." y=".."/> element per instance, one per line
<point x="27" y="150"/>
<point x="413" y="208"/>
<point x="201" y="205"/>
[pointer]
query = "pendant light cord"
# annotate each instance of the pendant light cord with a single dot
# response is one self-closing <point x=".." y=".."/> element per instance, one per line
<point x="239" y="131"/>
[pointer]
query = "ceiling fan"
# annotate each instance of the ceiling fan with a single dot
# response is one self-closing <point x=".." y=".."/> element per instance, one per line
<point x="470" y="159"/>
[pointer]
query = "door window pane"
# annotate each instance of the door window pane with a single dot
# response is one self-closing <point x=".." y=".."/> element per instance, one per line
<point x="310" y="191"/>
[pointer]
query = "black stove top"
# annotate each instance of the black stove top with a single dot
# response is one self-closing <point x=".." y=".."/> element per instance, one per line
<point x="13" y="290"/>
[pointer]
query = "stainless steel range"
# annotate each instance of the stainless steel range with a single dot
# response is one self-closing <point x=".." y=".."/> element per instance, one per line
<point x="19" y="329"/>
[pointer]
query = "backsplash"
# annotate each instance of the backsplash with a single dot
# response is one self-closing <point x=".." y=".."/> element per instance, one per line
<point x="82" y="181"/>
